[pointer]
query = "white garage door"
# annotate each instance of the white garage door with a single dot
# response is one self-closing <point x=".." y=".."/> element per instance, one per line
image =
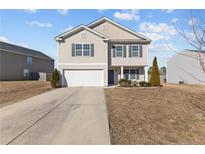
<point x="84" y="77"/>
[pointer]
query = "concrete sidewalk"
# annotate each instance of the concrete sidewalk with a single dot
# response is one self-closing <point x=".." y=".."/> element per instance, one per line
<point x="62" y="116"/>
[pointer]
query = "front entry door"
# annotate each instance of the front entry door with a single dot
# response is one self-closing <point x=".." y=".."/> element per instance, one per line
<point x="110" y="76"/>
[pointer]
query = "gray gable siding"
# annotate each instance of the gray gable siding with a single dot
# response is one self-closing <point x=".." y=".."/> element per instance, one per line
<point x="12" y="65"/>
<point x="184" y="67"/>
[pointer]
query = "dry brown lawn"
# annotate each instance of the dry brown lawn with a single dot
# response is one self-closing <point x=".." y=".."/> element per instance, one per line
<point x="15" y="91"/>
<point x="172" y="114"/>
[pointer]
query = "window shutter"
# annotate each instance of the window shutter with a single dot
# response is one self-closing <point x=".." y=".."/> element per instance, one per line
<point x="73" y="50"/>
<point x="140" y="50"/>
<point x="124" y="51"/>
<point x="113" y="52"/>
<point x="130" y="52"/>
<point x="92" y="50"/>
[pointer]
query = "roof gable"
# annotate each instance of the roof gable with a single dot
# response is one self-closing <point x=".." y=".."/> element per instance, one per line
<point x="104" y="19"/>
<point x="78" y="29"/>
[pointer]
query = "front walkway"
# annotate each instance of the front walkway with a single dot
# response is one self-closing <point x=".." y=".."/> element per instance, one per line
<point x="62" y="116"/>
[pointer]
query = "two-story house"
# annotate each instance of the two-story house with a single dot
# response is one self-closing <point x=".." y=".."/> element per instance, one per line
<point x="101" y="53"/>
<point x="20" y="63"/>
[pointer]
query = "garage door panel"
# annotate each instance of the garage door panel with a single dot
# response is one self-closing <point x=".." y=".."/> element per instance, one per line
<point x="84" y="77"/>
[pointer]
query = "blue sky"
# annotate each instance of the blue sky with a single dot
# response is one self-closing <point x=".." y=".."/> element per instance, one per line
<point x="36" y="29"/>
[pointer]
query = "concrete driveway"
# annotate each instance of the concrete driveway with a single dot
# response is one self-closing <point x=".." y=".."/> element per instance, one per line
<point x="62" y="116"/>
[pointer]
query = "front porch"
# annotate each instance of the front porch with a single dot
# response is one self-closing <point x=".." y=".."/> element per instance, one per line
<point x="134" y="73"/>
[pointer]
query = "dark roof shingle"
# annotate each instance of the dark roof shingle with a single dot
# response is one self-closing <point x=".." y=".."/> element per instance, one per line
<point x="22" y="50"/>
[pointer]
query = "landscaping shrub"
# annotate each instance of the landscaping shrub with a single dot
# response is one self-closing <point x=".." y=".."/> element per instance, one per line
<point x="134" y="83"/>
<point x="144" y="84"/>
<point x="55" y="77"/>
<point x="155" y="77"/>
<point x="124" y="83"/>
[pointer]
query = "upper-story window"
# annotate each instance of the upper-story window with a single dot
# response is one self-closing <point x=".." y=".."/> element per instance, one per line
<point x="86" y="49"/>
<point x="78" y="50"/>
<point x="29" y="60"/>
<point x="135" y="50"/>
<point x="82" y="49"/>
<point x="118" y="50"/>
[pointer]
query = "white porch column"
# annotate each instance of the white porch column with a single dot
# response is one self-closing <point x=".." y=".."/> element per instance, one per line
<point x="146" y="73"/>
<point x="121" y="72"/>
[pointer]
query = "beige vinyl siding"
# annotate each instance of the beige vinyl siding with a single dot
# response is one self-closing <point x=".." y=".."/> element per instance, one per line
<point x="128" y="61"/>
<point x="97" y="62"/>
<point x="114" y="32"/>
<point x="100" y="48"/>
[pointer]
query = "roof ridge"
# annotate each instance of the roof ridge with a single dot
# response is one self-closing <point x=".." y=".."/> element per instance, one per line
<point x="79" y="26"/>
<point x="120" y="25"/>
<point x="19" y="46"/>
<point x="22" y="50"/>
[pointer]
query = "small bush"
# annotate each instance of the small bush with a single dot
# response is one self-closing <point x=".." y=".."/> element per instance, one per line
<point x="124" y="83"/>
<point x="144" y="84"/>
<point x="55" y="77"/>
<point x="134" y="83"/>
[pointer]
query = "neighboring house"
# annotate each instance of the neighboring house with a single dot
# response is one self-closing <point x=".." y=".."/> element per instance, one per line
<point x="162" y="76"/>
<point x="19" y="63"/>
<point x="185" y="67"/>
<point x="101" y="53"/>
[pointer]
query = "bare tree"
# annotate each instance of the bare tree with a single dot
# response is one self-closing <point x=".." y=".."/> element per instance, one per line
<point x="196" y="38"/>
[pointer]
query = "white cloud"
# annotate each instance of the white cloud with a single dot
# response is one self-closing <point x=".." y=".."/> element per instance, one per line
<point x="167" y="10"/>
<point x="174" y="20"/>
<point x="38" y="24"/>
<point x="161" y="31"/>
<point x="68" y="28"/>
<point x="156" y="37"/>
<point x="127" y="15"/>
<point x="23" y="44"/>
<point x="63" y="12"/>
<point x="149" y="15"/>
<point x="163" y="47"/>
<point x="4" y="39"/>
<point x="192" y="21"/>
<point x="101" y="10"/>
<point x="157" y="28"/>
<point x="31" y="11"/>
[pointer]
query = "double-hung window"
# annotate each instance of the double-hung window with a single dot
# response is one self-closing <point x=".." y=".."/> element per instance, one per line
<point x="82" y="49"/>
<point x="26" y="72"/>
<point x="29" y="60"/>
<point x="78" y="50"/>
<point x="131" y="74"/>
<point x="118" y="50"/>
<point x="86" y="49"/>
<point x="135" y="50"/>
<point x="126" y="74"/>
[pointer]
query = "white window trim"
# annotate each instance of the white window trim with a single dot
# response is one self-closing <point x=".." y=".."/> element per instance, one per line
<point x="27" y="62"/>
<point x="118" y="51"/>
<point x="135" y="51"/>
<point x="135" y="73"/>
<point x="82" y="55"/>
<point x="24" y="72"/>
